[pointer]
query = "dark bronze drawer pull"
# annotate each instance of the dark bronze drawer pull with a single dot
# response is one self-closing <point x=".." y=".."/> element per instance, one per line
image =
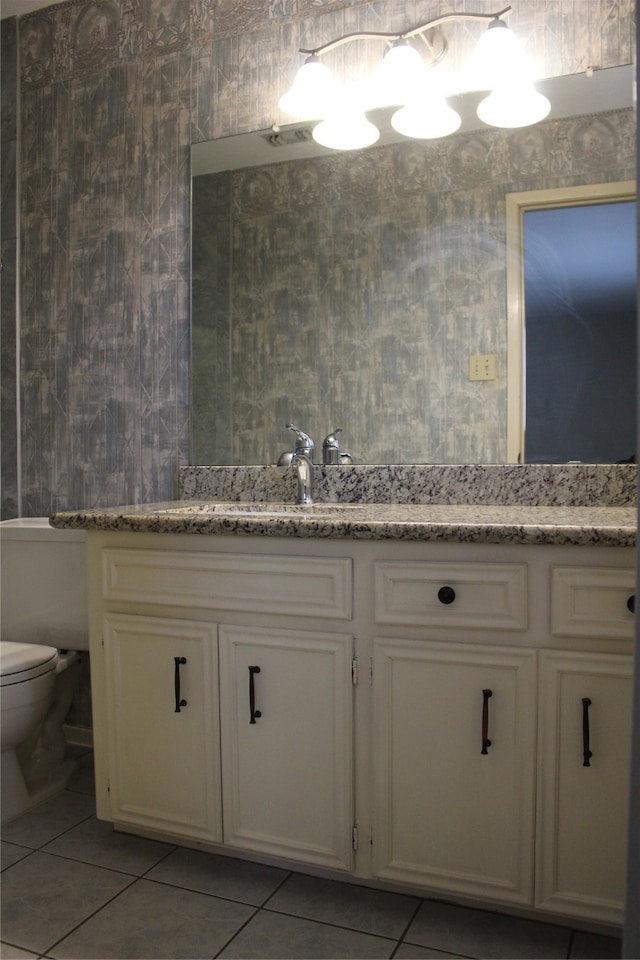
<point x="631" y="603"/>
<point x="253" y="713"/>
<point x="586" y="752"/>
<point x="176" y="682"/>
<point x="486" y="743"/>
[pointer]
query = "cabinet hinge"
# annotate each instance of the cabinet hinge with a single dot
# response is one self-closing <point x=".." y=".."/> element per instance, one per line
<point x="354" y="837"/>
<point x="354" y="671"/>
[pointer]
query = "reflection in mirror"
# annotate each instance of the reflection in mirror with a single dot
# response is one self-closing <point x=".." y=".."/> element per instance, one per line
<point x="572" y="280"/>
<point x="351" y="290"/>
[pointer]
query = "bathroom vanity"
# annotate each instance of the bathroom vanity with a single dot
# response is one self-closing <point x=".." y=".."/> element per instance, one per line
<point x="432" y="697"/>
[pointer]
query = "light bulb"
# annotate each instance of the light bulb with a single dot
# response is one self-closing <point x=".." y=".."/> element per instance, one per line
<point x="314" y="91"/>
<point x="347" y="128"/>
<point x="498" y="57"/>
<point x="426" y="120"/>
<point x="519" y="105"/>
<point x="427" y="115"/>
<point x="498" y="40"/>
<point x="398" y="75"/>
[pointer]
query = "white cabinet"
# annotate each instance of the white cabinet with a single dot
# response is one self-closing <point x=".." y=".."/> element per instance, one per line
<point x="470" y="823"/>
<point x="583" y="778"/>
<point x="286" y="719"/>
<point x="237" y="733"/>
<point x="454" y="762"/>
<point x="592" y="602"/>
<point x="486" y="596"/>
<point x="457" y="759"/>
<point x="163" y="730"/>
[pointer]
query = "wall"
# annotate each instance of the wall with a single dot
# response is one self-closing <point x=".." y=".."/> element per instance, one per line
<point x="8" y="241"/>
<point x="357" y="287"/>
<point x="112" y="94"/>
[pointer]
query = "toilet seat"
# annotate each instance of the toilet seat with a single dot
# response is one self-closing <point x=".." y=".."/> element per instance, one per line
<point x="25" y="661"/>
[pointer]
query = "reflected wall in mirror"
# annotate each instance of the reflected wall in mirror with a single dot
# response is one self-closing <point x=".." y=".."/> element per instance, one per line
<point x="572" y="289"/>
<point x="350" y="291"/>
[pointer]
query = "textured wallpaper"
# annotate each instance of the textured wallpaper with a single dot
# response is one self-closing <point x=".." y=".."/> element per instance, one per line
<point x="112" y="94"/>
<point x="8" y="239"/>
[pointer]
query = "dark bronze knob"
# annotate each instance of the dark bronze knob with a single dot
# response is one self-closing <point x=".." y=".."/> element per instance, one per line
<point x="631" y="603"/>
<point x="446" y="595"/>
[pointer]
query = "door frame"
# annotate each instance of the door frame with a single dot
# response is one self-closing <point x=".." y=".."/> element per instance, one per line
<point x="517" y="204"/>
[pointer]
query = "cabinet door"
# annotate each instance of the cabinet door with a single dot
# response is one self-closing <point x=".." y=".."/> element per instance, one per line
<point x="453" y="810"/>
<point x="162" y="694"/>
<point x="584" y="758"/>
<point x="286" y="719"/>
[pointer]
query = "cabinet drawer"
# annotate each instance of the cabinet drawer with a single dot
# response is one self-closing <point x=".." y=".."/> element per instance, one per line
<point x="479" y="595"/>
<point x="296" y="586"/>
<point x="592" y="602"/>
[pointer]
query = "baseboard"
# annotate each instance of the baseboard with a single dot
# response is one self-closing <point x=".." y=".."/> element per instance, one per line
<point x="78" y="736"/>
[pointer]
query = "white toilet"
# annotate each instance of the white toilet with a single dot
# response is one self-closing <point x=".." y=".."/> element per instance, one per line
<point x="44" y="624"/>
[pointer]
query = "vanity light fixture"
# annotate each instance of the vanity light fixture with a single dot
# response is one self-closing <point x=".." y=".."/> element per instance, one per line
<point x="404" y="79"/>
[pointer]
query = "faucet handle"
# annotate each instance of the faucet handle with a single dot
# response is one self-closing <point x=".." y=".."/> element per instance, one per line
<point x="331" y="447"/>
<point x="305" y="443"/>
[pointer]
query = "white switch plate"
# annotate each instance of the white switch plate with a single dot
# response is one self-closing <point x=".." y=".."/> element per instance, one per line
<point x="482" y="367"/>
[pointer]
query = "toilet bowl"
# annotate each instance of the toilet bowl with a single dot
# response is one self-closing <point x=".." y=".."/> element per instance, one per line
<point x="34" y="766"/>
<point x="43" y="599"/>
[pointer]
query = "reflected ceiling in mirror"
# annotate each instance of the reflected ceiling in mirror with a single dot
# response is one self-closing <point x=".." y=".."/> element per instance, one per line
<point x="352" y="289"/>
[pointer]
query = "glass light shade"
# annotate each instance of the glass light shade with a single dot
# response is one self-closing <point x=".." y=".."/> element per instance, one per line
<point x="397" y="77"/>
<point x="519" y="105"/>
<point x="426" y="121"/>
<point x="497" y="57"/>
<point x="497" y="41"/>
<point x="346" y="129"/>
<point x="314" y="91"/>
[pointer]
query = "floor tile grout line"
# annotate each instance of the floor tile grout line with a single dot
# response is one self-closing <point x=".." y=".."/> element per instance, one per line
<point x="57" y="835"/>
<point x="290" y="873"/>
<point x="199" y="890"/>
<point x="87" y="863"/>
<point x="18" y="946"/>
<point x="16" y="862"/>
<point x="280" y="885"/>
<point x="239" y="930"/>
<point x="169" y="853"/>
<point x="328" y="923"/>
<point x="22" y="846"/>
<point x="407" y="927"/>
<point x="86" y="919"/>
<point x="28" y="852"/>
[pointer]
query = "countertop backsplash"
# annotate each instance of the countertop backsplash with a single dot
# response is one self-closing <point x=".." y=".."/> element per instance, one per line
<point x="508" y="484"/>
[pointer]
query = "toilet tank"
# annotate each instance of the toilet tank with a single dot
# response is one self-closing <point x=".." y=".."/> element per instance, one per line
<point x="43" y="584"/>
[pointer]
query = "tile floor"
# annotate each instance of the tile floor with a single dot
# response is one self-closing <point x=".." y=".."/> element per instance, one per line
<point x="71" y="888"/>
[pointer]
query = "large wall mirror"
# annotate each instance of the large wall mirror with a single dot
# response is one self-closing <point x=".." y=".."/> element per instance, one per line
<point x="352" y="289"/>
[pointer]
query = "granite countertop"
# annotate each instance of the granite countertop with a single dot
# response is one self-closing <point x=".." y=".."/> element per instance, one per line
<point x="613" y="526"/>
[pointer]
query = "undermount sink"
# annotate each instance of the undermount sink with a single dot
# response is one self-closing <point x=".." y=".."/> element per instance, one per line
<point x="260" y="510"/>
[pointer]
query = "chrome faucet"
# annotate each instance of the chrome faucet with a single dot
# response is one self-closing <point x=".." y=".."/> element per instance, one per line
<point x="302" y="462"/>
<point x="331" y="447"/>
<point x="303" y="467"/>
<point x="305" y="444"/>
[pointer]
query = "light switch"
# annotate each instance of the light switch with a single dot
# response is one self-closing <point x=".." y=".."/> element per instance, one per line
<point x="482" y="367"/>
